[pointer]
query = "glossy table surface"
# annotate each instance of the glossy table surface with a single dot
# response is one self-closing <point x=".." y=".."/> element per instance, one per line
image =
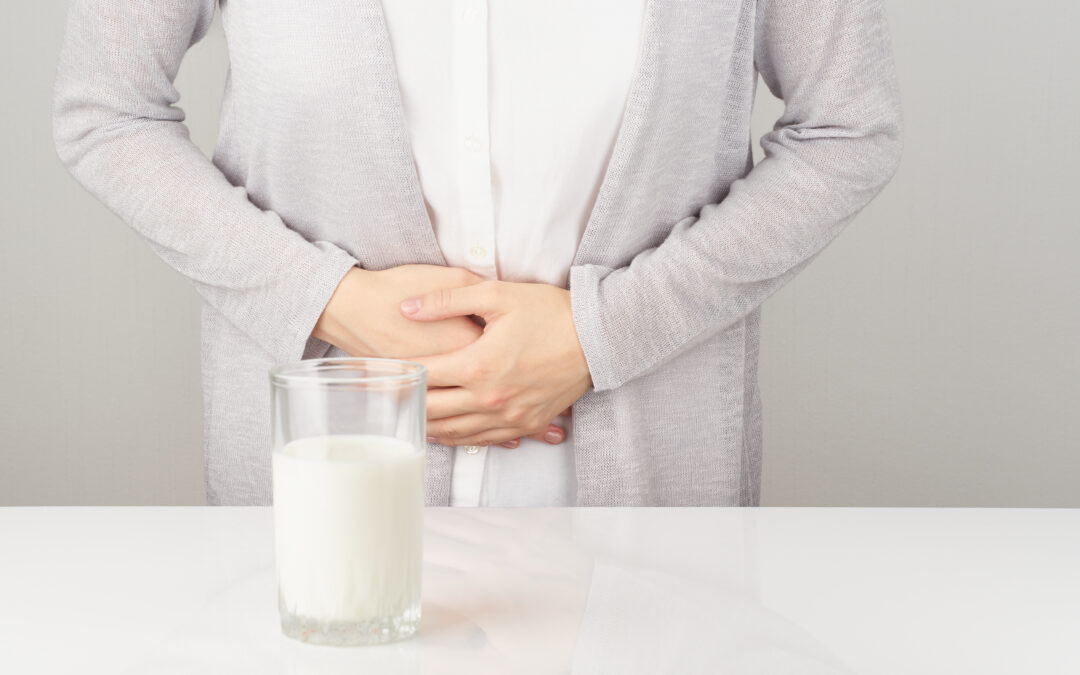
<point x="770" y="591"/>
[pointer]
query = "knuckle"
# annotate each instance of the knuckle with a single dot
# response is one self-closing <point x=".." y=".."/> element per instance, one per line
<point x="477" y="370"/>
<point x="493" y="400"/>
<point x="443" y="298"/>
<point x="516" y="415"/>
<point x="468" y="372"/>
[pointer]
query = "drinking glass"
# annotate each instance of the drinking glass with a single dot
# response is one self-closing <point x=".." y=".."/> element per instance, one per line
<point x="348" y="485"/>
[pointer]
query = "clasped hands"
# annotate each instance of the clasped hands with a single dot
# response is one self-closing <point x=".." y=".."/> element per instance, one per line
<point x="487" y="385"/>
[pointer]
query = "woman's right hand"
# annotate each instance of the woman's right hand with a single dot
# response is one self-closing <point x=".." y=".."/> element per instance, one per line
<point x="362" y="317"/>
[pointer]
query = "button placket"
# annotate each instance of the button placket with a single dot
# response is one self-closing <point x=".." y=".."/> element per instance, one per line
<point x="469" y="469"/>
<point x="474" y="153"/>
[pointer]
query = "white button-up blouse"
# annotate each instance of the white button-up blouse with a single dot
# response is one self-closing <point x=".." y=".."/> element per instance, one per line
<point x="513" y="109"/>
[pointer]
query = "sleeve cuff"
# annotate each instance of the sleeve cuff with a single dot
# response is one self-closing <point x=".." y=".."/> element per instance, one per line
<point x="315" y="278"/>
<point x="585" y="307"/>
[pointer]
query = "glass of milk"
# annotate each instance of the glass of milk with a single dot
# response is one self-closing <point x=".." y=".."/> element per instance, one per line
<point x="348" y="476"/>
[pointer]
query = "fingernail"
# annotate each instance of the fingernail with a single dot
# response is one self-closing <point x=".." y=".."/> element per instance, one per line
<point x="509" y="444"/>
<point x="410" y="305"/>
<point x="430" y="439"/>
<point x="553" y="437"/>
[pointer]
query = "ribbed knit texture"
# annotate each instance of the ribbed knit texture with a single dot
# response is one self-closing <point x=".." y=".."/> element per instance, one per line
<point x="313" y="173"/>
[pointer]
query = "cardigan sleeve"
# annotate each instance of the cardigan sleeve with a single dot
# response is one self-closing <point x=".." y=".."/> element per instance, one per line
<point x="835" y="147"/>
<point x="117" y="129"/>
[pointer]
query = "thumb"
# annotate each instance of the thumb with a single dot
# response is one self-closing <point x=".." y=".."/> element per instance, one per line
<point x="481" y="299"/>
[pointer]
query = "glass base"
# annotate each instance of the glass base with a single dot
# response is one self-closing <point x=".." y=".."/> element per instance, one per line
<point x="351" y="634"/>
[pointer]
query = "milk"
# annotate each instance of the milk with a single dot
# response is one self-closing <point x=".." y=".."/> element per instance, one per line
<point x="348" y="527"/>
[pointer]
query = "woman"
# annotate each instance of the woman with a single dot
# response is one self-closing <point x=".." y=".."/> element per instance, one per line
<point x="579" y="175"/>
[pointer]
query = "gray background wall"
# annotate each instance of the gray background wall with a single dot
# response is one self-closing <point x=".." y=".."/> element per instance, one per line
<point x="928" y="357"/>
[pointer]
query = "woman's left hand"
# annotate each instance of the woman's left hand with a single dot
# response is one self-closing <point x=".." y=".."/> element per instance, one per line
<point x="511" y="382"/>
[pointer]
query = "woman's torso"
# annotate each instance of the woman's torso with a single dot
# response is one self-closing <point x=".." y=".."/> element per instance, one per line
<point x="331" y="155"/>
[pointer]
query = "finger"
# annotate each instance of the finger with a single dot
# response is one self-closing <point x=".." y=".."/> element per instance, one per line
<point x="481" y="299"/>
<point x="552" y="435"/>
<point x="449" y="401"/>
<point x="485" y="438"/>
<point x="447" y="370"/>
<point x="511" y="444"/>
<point x="465" y="426"/>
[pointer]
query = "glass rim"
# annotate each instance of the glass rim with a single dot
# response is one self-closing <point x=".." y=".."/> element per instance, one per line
<point x="313" y="371"/>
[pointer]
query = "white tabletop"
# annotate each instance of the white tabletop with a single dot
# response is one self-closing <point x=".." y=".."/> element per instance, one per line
<point x="191" y="590"/>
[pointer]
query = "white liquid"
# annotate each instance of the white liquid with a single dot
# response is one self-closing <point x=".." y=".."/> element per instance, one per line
<point x="348" y="521"/>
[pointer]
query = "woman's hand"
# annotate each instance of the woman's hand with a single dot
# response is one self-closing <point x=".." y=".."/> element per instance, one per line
<point x="526" y="367"/>
<point x="362" y="317"/>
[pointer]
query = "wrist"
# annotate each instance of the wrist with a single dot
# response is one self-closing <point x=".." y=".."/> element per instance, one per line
<point x="579" y="352"/>
<point x="335" y="325"/>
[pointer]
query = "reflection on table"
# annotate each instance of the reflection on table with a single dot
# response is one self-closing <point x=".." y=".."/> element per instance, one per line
<point x="192" y="590"/>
